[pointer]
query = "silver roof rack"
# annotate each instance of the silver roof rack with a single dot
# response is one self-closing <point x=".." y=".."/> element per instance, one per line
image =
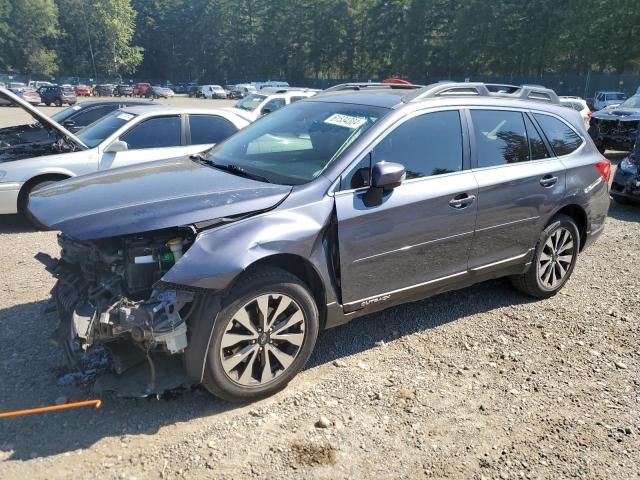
<point x="372" y="86"/>
<point x="477" y="89"/>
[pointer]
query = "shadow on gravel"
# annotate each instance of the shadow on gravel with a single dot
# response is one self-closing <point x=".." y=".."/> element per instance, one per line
<point x="30" y="368"/>
<point x="362" y="333"/>
<point x="625" y="213"/>
<point x="14" y="224"/>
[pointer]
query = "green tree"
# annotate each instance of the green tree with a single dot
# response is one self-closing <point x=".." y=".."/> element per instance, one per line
<point x="33" y="27"/>
<point x="96" y="37"/>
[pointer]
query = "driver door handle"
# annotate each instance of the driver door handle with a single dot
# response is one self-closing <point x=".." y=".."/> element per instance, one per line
<point x="548" y="181"/>
<point x="461" y="201"/>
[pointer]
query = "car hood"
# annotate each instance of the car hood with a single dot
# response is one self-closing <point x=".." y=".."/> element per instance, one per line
<point x="43" y="119"/>
<point x="148" y="197"/>
<point x="618" y="114"/>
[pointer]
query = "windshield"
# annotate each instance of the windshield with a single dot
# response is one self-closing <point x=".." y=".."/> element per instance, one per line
<point x="95" y="133"/>
<point x="296" y="144"/>
<point x="632" y="102"/>
<point x="251" y="102"/>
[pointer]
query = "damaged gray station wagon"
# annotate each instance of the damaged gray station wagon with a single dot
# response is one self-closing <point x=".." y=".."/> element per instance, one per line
<point x="230" y="262"/>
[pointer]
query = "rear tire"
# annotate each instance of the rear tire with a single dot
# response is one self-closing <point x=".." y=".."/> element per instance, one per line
<point x="57" y="102"/>
<point x="274" y="345"/>
<point x="555" y="258"/>
<point x="23" y="205"/>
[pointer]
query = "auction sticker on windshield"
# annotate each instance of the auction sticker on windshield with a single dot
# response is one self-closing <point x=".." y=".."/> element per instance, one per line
<point x="125" y="116"/>
<point x="347" y="121"/>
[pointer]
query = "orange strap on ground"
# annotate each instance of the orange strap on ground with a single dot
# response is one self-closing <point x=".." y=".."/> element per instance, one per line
<point x="52" y="408"/>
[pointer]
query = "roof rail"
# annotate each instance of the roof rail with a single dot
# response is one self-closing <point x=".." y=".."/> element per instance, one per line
<point x="478" y="89"/>
<point x="372" y="86"/>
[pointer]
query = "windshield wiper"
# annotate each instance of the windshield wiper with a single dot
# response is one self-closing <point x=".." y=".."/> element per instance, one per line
<point x="235" y="169"/>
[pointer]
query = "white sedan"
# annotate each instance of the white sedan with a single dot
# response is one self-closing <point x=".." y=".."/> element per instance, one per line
<point x="125" y="137"/>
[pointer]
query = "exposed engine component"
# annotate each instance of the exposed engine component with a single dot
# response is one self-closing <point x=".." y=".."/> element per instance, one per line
<point x="107" y="289"/>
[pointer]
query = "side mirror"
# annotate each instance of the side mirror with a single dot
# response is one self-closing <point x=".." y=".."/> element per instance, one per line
<point x="117" y="146"/>
<point x="69" y="124"/>
<point x="387" y="175"/>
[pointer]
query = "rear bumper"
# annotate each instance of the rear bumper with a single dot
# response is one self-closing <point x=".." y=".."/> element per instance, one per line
<point x="9" y="192"/>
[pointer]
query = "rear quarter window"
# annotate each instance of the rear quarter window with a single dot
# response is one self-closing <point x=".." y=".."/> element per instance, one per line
<point x="562" y="138"/>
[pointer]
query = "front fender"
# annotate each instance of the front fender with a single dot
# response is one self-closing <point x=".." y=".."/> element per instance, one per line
<point x="220" y="254"/>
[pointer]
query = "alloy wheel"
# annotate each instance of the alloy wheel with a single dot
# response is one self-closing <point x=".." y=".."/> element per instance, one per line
<point x="556" y="258"/>
<point x="262" y="340"/>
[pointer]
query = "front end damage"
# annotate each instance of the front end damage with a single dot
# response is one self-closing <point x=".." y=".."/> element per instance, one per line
<point x="614" y="133"/>
<point x="108" y="293"/>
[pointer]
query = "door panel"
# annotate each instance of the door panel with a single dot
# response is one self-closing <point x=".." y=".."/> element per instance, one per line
<point x="512" y="208"/>
<point x="519" y="185"/>
<point x="413" y="237"/>
<point x="131" y="157"/>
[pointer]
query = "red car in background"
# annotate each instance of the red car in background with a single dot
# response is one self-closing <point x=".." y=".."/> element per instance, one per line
<point x="82" y="91"/>
<point x="140" y="89"/>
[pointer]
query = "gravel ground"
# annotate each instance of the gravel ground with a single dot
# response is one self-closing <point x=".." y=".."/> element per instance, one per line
<point x="481" y="383"/>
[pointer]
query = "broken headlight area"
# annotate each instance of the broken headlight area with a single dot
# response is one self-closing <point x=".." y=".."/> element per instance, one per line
<point x="108" y="294"/>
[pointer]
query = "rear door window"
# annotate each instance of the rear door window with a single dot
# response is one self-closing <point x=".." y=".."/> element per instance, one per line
<point x="562" y="138"/>
<point x="207" y="129"/>
<point x="155" y="133"/>
<point x="536" y="145"/>
<point x="500" y="137"/>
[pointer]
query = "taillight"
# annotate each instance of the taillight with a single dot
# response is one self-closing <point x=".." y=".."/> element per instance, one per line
<point x="604" y="167"/>
<point x="589" y="113"/>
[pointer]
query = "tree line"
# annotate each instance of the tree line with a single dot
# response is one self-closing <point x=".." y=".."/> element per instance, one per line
<point x="238" y="40"/>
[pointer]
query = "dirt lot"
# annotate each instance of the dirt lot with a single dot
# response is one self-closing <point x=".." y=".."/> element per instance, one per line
<point x="482" y="383"/>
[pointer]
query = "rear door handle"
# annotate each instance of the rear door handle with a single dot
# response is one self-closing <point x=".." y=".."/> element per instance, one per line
<point x="461" y="201"/>
<point x="548" y="181"/>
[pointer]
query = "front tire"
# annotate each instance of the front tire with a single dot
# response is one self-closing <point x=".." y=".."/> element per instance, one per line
<point x="263" y="336"/>
<point x="23" y="205"/>
<point x="554" y="260"/>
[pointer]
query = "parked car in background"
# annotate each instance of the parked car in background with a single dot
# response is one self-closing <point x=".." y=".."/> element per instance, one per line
<point x="616" y="127"/>
<point x="387" y="200"/>
<point x="228" y="89"/>
<point x="105" y="90"/>
<point x="123" y="91"/>
<point x="269" y="100"/>
<point x="271" y="84"/>
<point x="29" y="95"/>
<point x="194" y="91"/>
<point x="242" y="90"/>
<point x="82" y="91"/>
<point x="131" y="135"/>
<point x="140" y="89"/>
<point x="579" y="105"/>
<point x="156" y="91"/>
<point x="607" y="98"/>
<point x="80" y="115"/>
<point x="212" y="91"/>
<point x="16" y="85"/>
<point x="57" y="95"/>
<point x="36" y="84"/>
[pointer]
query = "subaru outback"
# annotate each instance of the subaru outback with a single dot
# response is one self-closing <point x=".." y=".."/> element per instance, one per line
<point x="231" y="262"/>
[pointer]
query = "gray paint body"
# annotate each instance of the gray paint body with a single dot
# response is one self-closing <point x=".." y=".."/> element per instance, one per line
<point x="414" y="243"/>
